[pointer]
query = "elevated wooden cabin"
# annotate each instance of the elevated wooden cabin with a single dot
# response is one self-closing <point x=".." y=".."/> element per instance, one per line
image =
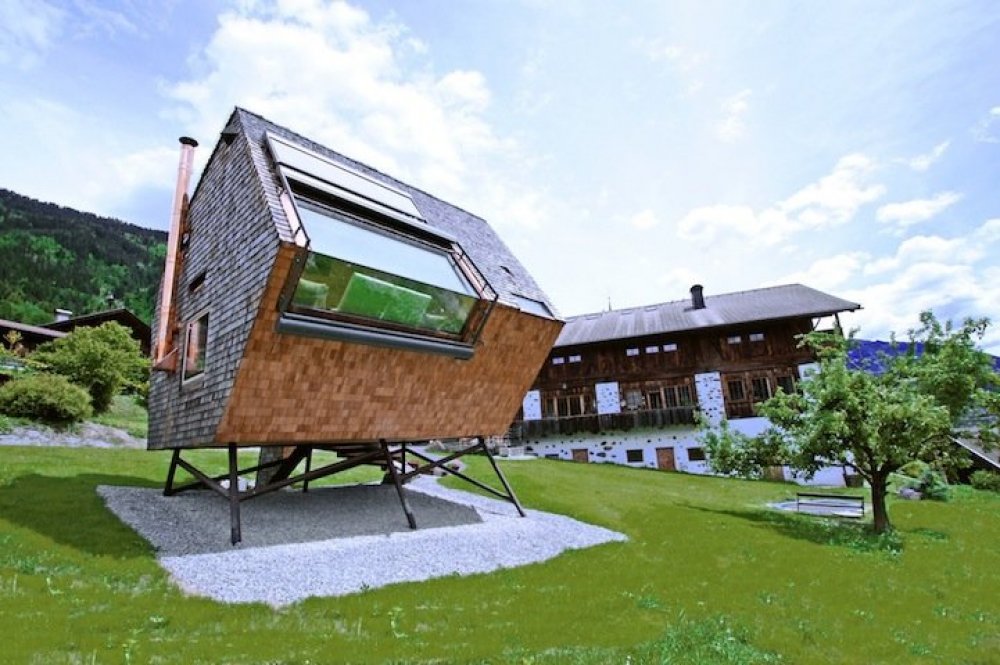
<point x="310" y="300"/>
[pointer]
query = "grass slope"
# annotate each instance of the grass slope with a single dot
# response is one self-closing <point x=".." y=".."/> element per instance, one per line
<point x="708" y="576"/>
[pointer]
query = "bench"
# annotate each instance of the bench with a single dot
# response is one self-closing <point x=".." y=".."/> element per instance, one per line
<point x="833" y="505"/>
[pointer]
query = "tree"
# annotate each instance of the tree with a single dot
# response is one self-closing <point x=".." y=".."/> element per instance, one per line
<point x="101" y="360"/>
<point x="874" y="423"/>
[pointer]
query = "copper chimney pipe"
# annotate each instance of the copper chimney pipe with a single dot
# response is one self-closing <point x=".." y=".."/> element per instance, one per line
<point x="165" y="329"/>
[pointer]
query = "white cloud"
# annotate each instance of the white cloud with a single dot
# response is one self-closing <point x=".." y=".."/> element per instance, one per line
<point x="989" y="232"/>
<point x="927" y="249"/>
<point x="926" y="160"/>
<point x="28" y="29"/>
<point x="986" y="130"/>
<point x="81" y="172"/>
<point x="832" y="200"/>
<point x="913" y="212"/>
<point x="644" y="219"/>
<point x="828" y="273"/>
<point x="354" y="84"/>
<point x="954" y="277"/>
<point x="732" y="127"/>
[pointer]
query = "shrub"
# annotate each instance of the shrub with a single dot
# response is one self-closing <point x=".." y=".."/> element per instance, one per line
<point x="46" y="397"/>
<point x="932" y="485"/>
<point x="985" y="480"/>
<point x="102" y="360"/>
<point x="914" y="469"/>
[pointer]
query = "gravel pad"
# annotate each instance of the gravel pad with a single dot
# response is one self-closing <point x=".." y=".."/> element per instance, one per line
<point x="364" y="544"/>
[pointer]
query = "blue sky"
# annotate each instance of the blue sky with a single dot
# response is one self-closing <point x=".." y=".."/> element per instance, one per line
<point x="624" y="150"/>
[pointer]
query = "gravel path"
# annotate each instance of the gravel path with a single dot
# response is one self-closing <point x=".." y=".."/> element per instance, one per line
<point x="85" y="435"/>
<point x="284" y="561"/>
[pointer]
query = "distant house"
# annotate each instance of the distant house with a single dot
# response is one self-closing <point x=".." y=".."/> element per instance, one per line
<point x="137" y="327"/>
<point x="625" y="385"/>
<point x="64" y="323"/>
<point x="28" y="336"/>
<point x="312" y="301"/>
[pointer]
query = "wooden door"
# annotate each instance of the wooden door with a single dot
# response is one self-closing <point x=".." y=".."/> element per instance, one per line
<point x="580" y="455"/>
<point x="665" y="459"/>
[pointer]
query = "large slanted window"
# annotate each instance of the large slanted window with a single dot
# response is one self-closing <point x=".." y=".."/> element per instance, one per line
<point x="365" y="273"/>
<point x="373" y="271"/>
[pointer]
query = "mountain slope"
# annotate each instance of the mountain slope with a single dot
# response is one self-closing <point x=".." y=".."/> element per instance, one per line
<point x="55" y="257"/>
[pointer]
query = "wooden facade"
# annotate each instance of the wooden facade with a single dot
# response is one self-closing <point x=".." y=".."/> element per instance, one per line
<point x="656" y="372"/>
<point x="644" y="363"/>
<point x="293" y="389"/>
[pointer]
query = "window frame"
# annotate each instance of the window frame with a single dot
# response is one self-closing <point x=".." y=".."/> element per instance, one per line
<point x="186" y="375"/>
<point x="326" y="324"/>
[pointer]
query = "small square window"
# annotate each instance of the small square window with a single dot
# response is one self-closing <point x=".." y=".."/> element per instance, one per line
<point x="652" y="349"/>
<point x="756" y="337"/>
<point x="670" y="347"/>
<point x="195" y="345"/>
<point x="632" y="352"/>
<point x="558" y="360"/>
<point x="734" y="339"/>
<point x="575" y="359"/>
<point x="696" y="454"/>
<point x="736" y="391"/>
<point x="634" y="455"/>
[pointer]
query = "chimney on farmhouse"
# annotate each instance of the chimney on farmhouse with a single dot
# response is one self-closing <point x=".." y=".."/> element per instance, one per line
<point x="62" y="315"/>
<point x="697" y="298"/>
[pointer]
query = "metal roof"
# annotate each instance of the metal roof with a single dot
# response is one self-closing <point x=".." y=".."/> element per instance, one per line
<point x="727" y="309"/>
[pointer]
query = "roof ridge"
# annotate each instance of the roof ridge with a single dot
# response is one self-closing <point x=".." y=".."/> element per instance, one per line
<point x="625" y="310"/>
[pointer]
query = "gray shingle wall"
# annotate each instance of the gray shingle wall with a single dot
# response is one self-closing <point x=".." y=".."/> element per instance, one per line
<point x="234" y="242"/>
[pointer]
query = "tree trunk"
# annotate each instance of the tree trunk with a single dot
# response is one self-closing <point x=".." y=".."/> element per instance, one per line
<point x="879" y="484"/>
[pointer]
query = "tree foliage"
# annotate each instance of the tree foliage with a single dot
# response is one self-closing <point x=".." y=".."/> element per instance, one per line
<point x="873" y="423"/>
<point x="54" y="257"/>
<point x="101" y="360"/>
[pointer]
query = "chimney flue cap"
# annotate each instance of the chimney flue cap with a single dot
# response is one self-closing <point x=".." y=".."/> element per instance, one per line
<point x="697" y="297"/>
<point x="187" y="140"/>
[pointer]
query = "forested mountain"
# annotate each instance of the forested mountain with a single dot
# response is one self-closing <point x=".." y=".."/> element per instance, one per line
<point x="54" y="257"/>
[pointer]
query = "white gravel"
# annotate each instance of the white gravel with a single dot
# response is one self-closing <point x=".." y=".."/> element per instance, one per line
<point x="460" y="533"/>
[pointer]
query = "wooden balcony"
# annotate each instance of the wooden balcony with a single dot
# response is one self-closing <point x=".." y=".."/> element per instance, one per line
<point x="593" y="423"/>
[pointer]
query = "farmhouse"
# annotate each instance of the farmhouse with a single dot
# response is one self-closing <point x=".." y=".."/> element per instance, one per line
<point x="310" y="301"/>
<point x="627" y="386"/>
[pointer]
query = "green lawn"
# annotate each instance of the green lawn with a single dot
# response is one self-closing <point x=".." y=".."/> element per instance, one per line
<point x="125" y="413"/>
<point x="707" y="576"/>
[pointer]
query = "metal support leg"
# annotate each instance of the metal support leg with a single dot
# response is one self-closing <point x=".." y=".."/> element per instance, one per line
<point x="503" y="480"/>
<point x="168" y="488"/>
<point x="309" y="463"/>
<point x="394" y="473"/>
<point x="234" y="497"/>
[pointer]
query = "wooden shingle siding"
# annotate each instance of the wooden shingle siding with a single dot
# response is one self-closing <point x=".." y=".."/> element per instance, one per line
<point x="298" y="389"/>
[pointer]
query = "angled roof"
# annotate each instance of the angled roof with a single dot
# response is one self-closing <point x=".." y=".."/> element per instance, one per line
<point x="488" y="252"/>
<point x="727" y="309"/>
<point x="37" y="331"/>
<point x="120" y="315"/>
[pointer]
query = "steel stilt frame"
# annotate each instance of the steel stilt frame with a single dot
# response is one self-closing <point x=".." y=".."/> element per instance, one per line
<point x="381" y="454"/>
